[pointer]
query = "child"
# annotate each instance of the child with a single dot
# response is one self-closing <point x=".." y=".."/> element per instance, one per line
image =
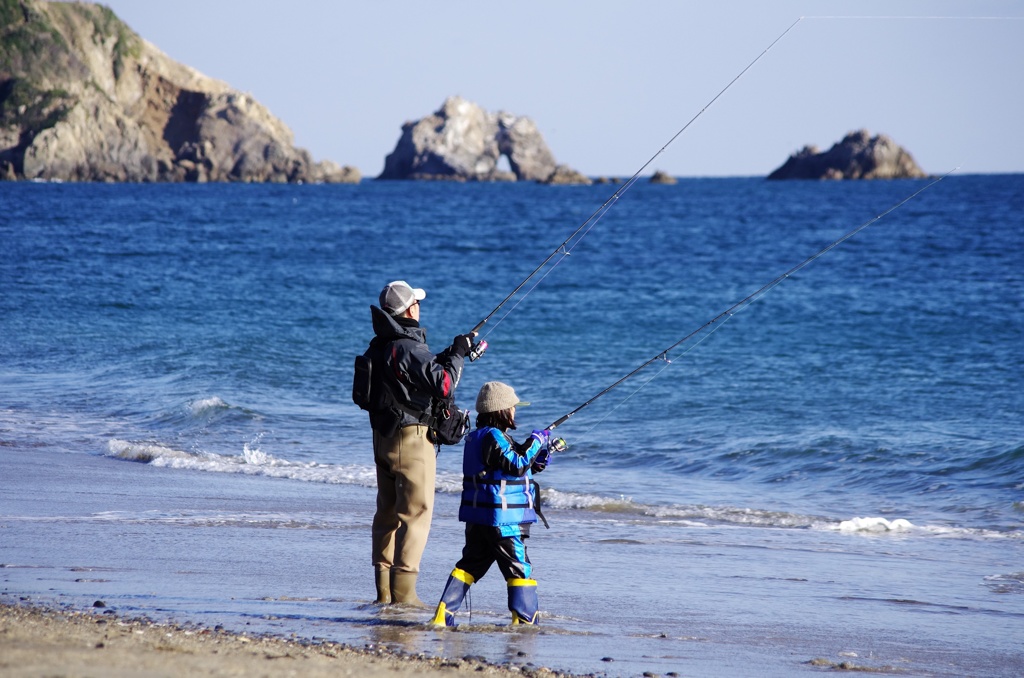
<point x="498" y="505"/>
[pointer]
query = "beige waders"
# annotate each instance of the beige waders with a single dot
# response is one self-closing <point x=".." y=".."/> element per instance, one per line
<point x="406" y="467"/>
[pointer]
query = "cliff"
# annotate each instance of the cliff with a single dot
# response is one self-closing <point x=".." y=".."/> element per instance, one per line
<point x="857" y="156"/>
<point x="463" y="142"/>
<point x="83" y="98"/>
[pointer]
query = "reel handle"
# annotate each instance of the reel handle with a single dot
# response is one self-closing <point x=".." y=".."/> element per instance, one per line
<point x="477" y="350"/>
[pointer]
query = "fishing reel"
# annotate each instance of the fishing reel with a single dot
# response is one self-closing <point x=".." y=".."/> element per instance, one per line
<point x="477" y="350"/>
<point x="558" y="445"/>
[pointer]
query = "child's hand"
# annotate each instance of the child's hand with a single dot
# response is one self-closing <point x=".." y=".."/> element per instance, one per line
<point x="541" y="461"/>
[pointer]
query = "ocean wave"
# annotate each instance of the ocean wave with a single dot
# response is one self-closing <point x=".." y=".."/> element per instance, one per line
<point x="202" y="413"/>
<point x="205" y="405"/>
<point x="1006" y="583"/>
<point x="926" y="464"/>
<point x="451" y="483"/>
<point x="253" y="461"/>
<point x="730" y="515"/>
<point x="902" y="526"/>
<point x="214" y="408"/>
<point x="144" y="452"/>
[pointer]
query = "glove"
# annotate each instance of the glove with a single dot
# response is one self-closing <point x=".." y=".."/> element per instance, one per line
<point x="462" y="344"/>
<point x="542" y="437"/>
<point x="541" y="461"/>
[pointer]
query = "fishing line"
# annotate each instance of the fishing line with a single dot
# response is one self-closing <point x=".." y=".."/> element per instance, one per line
<point x="664" y="357"/>
<point x="875" y="17"/>
<point x="564" y="248"/>
<point x="749" y="299"/>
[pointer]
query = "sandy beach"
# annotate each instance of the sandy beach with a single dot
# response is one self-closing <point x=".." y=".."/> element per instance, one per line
<point x="226" y="574"/>
<point x="46" y="641"/>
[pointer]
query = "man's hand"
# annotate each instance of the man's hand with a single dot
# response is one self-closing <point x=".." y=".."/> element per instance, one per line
<point x="462" y="344"/>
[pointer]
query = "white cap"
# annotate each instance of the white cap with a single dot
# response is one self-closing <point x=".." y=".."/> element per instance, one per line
<point x="398" y="296"/>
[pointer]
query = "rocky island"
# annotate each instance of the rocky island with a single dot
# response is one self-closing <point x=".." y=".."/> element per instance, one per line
<point x="84" y="98"/>
<point x="858" y="156"/>
<point x="463" y="142"/>
<point x="663" y="177"/>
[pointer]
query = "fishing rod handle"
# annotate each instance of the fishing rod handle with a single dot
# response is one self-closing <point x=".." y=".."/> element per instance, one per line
<point x="561" y="420"/>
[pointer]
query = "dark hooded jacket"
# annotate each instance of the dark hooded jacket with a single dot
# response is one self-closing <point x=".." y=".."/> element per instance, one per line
<point x="414" y="376"/>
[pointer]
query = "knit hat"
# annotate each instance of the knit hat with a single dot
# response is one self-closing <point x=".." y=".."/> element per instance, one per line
<point x="398" y="296"/>
<point x="495" y="396"/>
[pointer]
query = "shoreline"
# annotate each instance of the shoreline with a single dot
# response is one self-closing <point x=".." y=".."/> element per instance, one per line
<point x="49" y="639"/>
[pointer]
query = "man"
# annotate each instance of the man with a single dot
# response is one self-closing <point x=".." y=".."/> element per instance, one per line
<point x="412" y="378"/>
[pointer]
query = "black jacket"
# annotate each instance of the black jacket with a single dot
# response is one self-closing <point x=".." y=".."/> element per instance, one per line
<point x="414" y="375"/>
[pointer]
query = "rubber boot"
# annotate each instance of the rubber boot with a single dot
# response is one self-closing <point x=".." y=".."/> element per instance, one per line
<point x="454" y="593"/>
<point x="383" y="577"/>
<point x="522" y="600"/>
<point x="403" y="588"/>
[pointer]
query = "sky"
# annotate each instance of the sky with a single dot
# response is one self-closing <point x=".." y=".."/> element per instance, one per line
<point x="610" y="84"/>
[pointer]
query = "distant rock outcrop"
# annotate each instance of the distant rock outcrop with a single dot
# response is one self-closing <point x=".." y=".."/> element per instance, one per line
<point x="567" y="176"/>
<point x="858" y="156"/>
<point x="83" y="98"/>
<point x="463" y="142"/>
<point x="662" y="177"/>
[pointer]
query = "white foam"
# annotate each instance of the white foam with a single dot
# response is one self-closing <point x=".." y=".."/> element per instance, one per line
<point x="561" y="499"/>
<point x="449" y="483"/>
<point x="732" y="515"/>
<point x="206" y="404"/>
<point x="902" y="526"/>
<point x="255" y="456"/>
<point x="252" y="461"/>
<point x="143" y="452"/>
<point x="875" y="525"/>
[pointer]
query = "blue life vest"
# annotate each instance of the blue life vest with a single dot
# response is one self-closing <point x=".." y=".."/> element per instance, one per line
<point x="492" y="496"/>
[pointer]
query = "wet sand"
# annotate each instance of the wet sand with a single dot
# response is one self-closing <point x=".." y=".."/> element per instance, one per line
<point x="46" y="641"/>
<point x="623" y="595"/>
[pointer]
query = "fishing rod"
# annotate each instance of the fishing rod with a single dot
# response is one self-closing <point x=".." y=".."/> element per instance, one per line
<point x="588" y="225"/>
<point x="749" y="299"/>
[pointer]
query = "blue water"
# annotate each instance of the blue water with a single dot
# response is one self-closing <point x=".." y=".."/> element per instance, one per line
<point x="208" y="333"/>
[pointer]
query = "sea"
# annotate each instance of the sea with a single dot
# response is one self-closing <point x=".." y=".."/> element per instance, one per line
<point x="789" y="450"/>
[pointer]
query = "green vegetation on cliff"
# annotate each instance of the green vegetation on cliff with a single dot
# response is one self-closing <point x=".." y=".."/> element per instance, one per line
<point x="106" y="26"/>
<point x="30" y="46"/>
<point x="10" y="11"/>
<point x="23" y="104"/>
<point x="33" y="57"/>
<point x="84" y="98"/>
